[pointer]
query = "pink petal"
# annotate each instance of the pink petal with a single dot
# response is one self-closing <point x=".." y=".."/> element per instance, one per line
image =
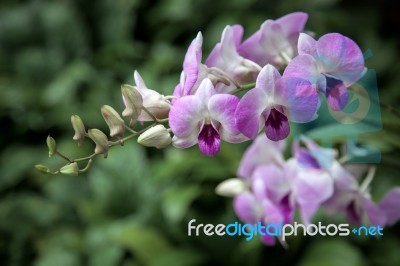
<point x="301" y="98"/>
<point x="267" y="80"/>
<point x="247" y="208"/>
<point x="273" y="38"/>
<point x="227" y="48"/>
<point x="306" y="67"/>
<point x="252" y="49"/>
<point x="222" y="110"/>
<point x="191" y="64"/>
<point x="205" y="90"/>
<point x="311" y="189"/>
<point x="178" y="91"/>
<point x="293" y="23"/>
<point x="390" y="205"/>
<point x="269" y="182"/>
<point x="185" y="142"/>
<point x="261" y="151"/>
<point x="376" y="216"/>
<point x="340" y="57"/>
<point x="307" y="45"/>
<point x="185" y="115"/>
<point x="248" y="112"/>
<point x="272" y="212"/>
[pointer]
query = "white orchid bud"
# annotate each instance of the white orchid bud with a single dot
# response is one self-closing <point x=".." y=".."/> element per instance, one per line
<point x="153" y="101"/>
<point x="157" y="136"/>
<point x="113" y="120"/>
<point x="79" y="129"/>
<point x="231" y="187"/>
<point x="133" y="102"/>
<point x="101" y="141"/>
<point x="70" y="169"/>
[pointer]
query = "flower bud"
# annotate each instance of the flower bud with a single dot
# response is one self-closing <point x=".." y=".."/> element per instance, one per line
<point x="157" y="136"/>
<point x="43" y="168"/>
<point x="113" y="120"/>
<point x="51" y="144"/>
<point x="79" y="129"/>
<point x="70" y="169"/>
<point x="231" y="187"/>
<point x="157" y="105"/>
<point x="133" y="101"/>
<point x="101" y="141"/>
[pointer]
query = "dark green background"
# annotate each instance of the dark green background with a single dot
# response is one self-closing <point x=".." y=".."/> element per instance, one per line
<point x="59" y="58"/>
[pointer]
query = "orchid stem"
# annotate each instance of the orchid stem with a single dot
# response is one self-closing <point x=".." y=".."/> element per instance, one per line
<point x="243" y="87"/>
<point x="64" y="157"/>
<point x="110" y="144"/>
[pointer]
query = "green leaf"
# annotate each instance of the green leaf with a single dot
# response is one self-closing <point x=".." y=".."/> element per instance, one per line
<point x="182" y="257"/>
<point x="146" y="243"/>
<point x="335" y="252"/>
<point x="177" y="200"/>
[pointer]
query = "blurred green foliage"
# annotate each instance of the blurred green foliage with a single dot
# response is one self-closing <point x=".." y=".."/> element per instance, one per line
<point x="59" y="58"/>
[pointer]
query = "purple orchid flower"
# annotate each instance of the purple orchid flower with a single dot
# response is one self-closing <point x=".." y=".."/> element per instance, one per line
<point x="204" y="118"/>
<point x="276" y="191"/>
<point x="293" y="186"/>
<point x="194" y="71"/>
<point x="276" y="41"/>
<point x="346" y="196"/>
<point x="225" y="58"/>
<point x="354" y="200"/>
<point x="333" y="63"/>
<point x="273" y="102"/>
<point x="285" y="185"/>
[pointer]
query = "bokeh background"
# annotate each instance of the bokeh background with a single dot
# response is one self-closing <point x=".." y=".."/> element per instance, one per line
<point x="59" y="58"/>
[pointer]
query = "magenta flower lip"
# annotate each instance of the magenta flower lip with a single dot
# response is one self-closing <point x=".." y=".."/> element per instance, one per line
<point x="273" y="103"/>
<point x="204" y="118"/>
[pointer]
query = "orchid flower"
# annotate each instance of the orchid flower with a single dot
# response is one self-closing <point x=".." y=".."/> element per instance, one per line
<point x="276" y="41"/>
<point x="333" y="63"/>
<point x="355" y="200"/>
<point x="194" y="71"/>
<point x="290" y="186"/>
<point x="273" y="102"/>
<point x="348" y="196"/>
<point x="285" y="185"/>
<point x="204" y="118"/>
<point x="225" y="58"/>
<point x="154" y="102"/>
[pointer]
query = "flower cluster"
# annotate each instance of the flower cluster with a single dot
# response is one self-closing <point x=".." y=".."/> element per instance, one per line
<point x="205" y="110"/>
<point x="280" y="72"/>
<point x="271" y="188"/>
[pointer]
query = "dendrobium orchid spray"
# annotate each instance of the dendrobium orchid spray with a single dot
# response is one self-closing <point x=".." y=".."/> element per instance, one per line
<point x="247" y="90"/>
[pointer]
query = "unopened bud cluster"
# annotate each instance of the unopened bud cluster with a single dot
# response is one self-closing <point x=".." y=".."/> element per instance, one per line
<point x="141" y="105"/>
